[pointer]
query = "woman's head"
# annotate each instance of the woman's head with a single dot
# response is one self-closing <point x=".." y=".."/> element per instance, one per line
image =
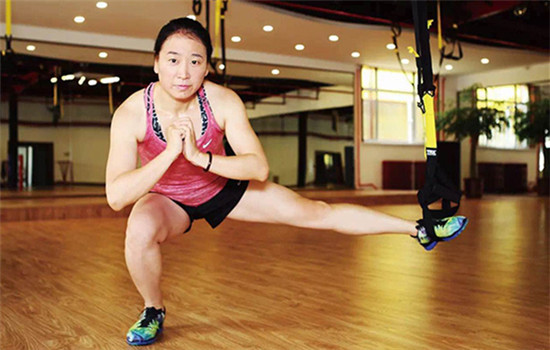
<point x="182" y="53"/>
<point x="184" y="26"/>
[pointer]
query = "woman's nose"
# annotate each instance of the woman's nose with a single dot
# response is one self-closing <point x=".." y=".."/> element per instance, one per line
<point x="183" y="72"/>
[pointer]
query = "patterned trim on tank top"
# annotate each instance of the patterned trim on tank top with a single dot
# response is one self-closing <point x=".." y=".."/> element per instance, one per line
<point x="150" y="107"/>
<point x="155" y="122"/>
<point x="156" y="125"/>
<point x="202" y="102"/>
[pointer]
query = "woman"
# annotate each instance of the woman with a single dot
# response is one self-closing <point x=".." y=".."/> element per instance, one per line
<point x="180" y="181"/>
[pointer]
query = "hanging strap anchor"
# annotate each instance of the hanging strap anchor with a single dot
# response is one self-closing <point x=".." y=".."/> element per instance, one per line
<point x="437" y="185"/>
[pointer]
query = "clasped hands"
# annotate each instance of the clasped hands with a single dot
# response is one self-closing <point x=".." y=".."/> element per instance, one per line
<point x="180" y="138"/>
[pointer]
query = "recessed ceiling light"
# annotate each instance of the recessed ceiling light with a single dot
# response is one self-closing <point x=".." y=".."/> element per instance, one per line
<point x="355" y="54"/>
<point x="193" y="17"/>
<point x="81" y="80"/>
<point x="520" y="11"/>
<point x="79" y="19"/>
<point x="333" y="38"/>
<point x="101" y="4"/>
<point x="275" y="71"/>
<point x="109" y="80"/>
<point x="449" y="67"/>
<point x="53" y="80"/>
<point x="103" y="54"/>
<point x="67" y="77"/>
<point x="390" y="46"/>
<point x="484" y="60"/>
<point x="221" y="66"/>
<point x="299" y="47"/>
<point x="92" y="82"/>
<point x="268" y="28"/>
<point x="31" y="47"/>
<point x="405" y="61"/>
<point x="236" y="39"/>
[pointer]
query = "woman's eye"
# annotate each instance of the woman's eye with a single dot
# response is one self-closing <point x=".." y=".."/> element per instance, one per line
<point x="195" y="62"/>
<point x="172" y="60"/>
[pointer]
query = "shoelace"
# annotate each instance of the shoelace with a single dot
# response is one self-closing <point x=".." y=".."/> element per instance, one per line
<point x="151" y="314"/>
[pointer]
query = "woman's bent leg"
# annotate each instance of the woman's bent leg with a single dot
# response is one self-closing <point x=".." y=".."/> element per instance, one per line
<point x="153" y="220"/>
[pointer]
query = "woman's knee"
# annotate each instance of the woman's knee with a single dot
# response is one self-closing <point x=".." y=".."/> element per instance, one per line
<point x="322" y="211"/>
<point x="145" y="225"/>
<point x="313" y="213"/>
<point x="142" y="231"/>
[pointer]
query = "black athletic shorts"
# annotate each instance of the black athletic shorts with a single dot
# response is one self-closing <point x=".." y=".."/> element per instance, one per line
<point x="217" y="208"/>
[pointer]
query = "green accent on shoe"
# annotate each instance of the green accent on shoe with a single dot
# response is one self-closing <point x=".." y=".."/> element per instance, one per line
<point x="148" y="328"/>
<point x="445" y="230"/>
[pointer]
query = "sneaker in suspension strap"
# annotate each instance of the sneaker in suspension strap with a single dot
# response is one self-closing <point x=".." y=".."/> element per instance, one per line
<point x="444" y="229"/>
<point x="148" y="328"/>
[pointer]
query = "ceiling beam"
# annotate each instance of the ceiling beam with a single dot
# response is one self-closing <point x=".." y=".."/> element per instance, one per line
<point x="485" y="9"/>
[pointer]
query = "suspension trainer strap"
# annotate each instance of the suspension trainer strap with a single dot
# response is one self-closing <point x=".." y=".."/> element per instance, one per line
<point x="437" y="185"/>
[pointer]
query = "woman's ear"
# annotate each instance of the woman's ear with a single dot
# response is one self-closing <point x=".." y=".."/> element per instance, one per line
<point x="155" y="65"/>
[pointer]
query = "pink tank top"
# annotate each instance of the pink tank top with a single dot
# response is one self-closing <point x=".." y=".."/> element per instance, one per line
<point x="183" y="181"/>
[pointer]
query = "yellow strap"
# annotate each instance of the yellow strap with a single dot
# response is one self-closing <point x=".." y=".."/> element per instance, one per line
<point x="429" y="122"/>
<point x="8" y="17"/>
<point x="411" y="50"/>
<point x="439" y="39"/>
<point x="217" y="26"/>
<point x="430" y="21"/>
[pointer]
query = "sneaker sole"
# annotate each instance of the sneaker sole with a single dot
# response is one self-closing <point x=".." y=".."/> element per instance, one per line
<point x="430" y="245"/>
<point x="146" y="342"/>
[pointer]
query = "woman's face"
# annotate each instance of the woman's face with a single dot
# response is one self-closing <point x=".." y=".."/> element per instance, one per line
<point x="181" y="66"/>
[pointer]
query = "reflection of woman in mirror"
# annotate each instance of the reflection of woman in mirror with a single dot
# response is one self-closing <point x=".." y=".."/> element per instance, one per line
<point x="180" y="181"/>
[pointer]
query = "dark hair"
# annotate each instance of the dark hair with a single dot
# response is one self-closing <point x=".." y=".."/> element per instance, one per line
<point x="185" y="26"/>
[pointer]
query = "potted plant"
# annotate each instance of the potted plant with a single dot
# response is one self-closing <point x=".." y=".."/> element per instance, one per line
<point x="472" y="122"/>
<point x="534" y="126"/>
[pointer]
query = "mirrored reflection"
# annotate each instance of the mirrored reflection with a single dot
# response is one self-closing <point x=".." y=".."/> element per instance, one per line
<point x="313" y="106"/>
<point x="66" y="96"/>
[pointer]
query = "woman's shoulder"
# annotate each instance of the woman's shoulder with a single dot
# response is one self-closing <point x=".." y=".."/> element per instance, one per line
<point x="225" y="102"/>
<point x="135" y="102"/>
<point x="220" y="93"/>
<point x="131" y="113"/>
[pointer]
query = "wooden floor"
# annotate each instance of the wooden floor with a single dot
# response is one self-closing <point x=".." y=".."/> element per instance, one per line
<point x="76" y="202"/>
<point x="64" y="285"/>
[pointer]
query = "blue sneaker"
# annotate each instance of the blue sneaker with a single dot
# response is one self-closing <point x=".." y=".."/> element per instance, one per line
<point x="445" y="230"/>
<point x="148" y="328"/>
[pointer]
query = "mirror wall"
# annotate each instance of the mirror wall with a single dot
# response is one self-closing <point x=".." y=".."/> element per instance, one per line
<point x="75" y="116"/>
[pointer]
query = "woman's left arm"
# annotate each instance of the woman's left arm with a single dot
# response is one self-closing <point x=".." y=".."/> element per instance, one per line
<point x="249" y="162"/>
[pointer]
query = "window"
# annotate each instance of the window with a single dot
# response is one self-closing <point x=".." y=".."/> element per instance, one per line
<point x="504" y="98"/>
<point x="389" y="107"/>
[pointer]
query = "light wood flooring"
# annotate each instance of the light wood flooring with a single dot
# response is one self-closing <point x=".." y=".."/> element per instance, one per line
<point x="64" y="285"/>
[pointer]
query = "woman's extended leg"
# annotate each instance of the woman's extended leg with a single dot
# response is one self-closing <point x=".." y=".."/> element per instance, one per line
<point x="153" y="220"/>
<point x="272" y="203"/>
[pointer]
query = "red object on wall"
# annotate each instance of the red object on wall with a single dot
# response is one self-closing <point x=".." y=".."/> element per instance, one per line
<point x="20" y="171"/>
<point x="503" y="177"/>
<point x="397" y="175"/>
<point x="515" y="177"/>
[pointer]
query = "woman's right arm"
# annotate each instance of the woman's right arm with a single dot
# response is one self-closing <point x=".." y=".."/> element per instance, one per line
<point x="125" y="183"/>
